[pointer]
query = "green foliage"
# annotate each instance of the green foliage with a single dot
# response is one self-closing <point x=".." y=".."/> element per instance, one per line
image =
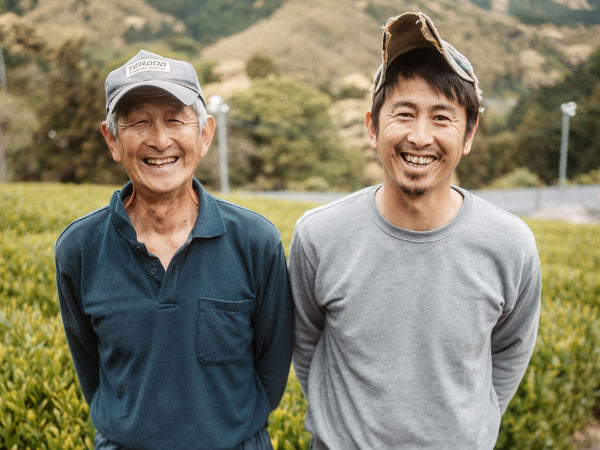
<point x="207" y="20"/>
<point x="562" y="385"/>
<point x="16" y="121"/>
<point x="537" y="121"/>
<point x="592" y="177"/>
<point x="67" y="145"/>
<point x="286" y="423"/>
<point x="260" y="66"/>
<point x="550" y="11"/>
<point x="293" y="137"/>
<point x="40" y="401"/>
<point x="518" y="178"/>
<point x="147" y="33"/>
<point x="14" y="6"/>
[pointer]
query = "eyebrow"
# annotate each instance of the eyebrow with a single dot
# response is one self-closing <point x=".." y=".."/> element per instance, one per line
<point x="437" y="107"/>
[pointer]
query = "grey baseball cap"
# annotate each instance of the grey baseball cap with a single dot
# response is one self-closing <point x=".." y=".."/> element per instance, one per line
<point x="178" y="78"/>
<point x="413" y="30"/>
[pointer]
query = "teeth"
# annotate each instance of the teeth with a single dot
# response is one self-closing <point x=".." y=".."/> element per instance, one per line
<point x="160" y="162"/>
<point x="419" y="160"/>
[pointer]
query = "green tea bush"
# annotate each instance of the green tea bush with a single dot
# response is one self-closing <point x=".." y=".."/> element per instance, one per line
<point x="37" y="207"/>
<point x="27" y="270"/>
<point x="287" y="421"/>
<point x="41" y="406"/>
<point x="561" y="388"/>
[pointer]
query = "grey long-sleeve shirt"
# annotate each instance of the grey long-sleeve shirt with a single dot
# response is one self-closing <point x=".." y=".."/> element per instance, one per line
<point x="411" y="339"/>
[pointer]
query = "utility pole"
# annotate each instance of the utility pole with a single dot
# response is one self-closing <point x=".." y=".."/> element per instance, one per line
<point x="4" y="89"/>
<point x="568" y="111"/>
<point x="218" y="107"/>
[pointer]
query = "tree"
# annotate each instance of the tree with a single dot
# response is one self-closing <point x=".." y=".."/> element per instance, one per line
<point x="67" y="145"/>
<point x="537" y="122"/>
<point x="261" y="66"/>
<point x="294" y="142"/>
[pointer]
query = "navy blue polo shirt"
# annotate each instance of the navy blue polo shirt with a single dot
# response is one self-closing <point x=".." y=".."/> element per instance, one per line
<point x="192" y="357"/>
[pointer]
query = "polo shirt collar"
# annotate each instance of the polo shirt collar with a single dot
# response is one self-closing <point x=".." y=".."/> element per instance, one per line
<point x="209" y="222"/>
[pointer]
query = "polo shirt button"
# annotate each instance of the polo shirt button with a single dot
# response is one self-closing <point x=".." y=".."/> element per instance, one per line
<point x="154" y="271"/>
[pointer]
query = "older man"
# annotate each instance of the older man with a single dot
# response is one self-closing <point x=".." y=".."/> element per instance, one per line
<point x="417" y="303"/>
<point x="176" y="304"/>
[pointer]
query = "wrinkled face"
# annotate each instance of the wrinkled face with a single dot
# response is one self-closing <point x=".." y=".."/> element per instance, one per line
<point x="421" y="138"/>
<point x="158" y="142"/>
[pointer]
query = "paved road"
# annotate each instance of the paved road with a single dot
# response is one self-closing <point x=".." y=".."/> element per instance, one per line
<point x="518" y="201"/>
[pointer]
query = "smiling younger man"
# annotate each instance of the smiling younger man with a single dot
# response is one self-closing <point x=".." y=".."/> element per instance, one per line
<point x="417" y="303"/>
<point x="176" y="304"/>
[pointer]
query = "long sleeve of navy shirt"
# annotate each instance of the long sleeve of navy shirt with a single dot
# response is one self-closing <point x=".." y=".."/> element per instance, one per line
<point x="192" y="357"/>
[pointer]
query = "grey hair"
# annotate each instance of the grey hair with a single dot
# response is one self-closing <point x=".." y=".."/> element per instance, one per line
<point x="197" y="106"/>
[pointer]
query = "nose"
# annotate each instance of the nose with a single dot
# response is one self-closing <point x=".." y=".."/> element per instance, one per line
<point x="158" y="136"/>
<point x="420" y="134"/>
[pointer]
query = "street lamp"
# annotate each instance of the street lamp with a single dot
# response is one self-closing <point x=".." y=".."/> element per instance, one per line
<point x="3" y="90"/>
<point x="217" y="107"/>
<point x="568" y="111"/>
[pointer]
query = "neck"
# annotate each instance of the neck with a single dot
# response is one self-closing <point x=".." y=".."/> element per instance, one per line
<point x="418" y="212"/>
<point x="163" y="225"/>
<point x="164" y="213"/>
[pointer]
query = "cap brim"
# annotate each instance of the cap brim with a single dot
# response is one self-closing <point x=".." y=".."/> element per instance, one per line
<point x="182" y="93"/>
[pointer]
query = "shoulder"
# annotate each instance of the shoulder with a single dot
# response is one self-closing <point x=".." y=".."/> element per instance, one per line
<point x="246" y="221"/>
<point x="337" y="213"/>
<point x="72" y="240"/>
<point x="500" y="225"/>
<point x="84" y="226"/>
<point x="86" y="229"/>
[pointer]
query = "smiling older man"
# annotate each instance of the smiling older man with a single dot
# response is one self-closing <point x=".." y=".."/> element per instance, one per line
<point x="176" y="304"/>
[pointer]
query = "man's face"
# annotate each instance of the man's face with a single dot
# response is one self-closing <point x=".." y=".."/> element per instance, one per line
<point x="421" y="138"/>
<point x="158" y="142"/>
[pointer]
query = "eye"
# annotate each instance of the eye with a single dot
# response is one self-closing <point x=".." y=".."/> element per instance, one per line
<point x="441" y="118"/>
<point x="404" y="114"/>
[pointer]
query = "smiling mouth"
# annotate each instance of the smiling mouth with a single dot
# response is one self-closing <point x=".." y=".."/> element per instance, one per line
<point x="417" y="161"/>
<point x="160" y="162"/>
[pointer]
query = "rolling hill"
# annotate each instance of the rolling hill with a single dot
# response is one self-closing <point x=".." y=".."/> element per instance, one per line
<point x="323" y="41"/>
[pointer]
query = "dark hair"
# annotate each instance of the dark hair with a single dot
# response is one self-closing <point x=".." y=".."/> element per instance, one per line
<point x="431" y="66"/>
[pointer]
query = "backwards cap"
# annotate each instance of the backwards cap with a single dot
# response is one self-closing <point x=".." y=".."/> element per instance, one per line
<point x="413" y="30"/>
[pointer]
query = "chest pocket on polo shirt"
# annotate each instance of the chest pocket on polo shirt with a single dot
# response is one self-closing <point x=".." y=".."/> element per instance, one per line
<point x="224" y="331"/>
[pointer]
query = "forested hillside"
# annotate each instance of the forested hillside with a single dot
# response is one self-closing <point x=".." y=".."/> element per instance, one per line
<point x="565" y="12"/>
<point x="209" y="20"/>
<point x="57" y="53"/>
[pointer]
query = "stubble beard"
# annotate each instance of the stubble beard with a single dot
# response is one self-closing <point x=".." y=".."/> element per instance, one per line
<point x="411" y="187"/>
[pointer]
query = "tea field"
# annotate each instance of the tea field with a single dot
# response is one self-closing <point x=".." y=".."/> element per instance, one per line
<point x="41" y="406"/>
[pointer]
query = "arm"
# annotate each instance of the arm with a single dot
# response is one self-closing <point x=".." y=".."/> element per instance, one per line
<point x="513" y="337"/>
<point x="78" y="330"/>
<point x="274" y="327"/>
<point x="309" y="318"/>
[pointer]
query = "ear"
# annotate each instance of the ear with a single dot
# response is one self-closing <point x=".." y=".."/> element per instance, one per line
<point x="469" y="139"/>
<point x="111" y="141"/>
<point x="207" y="134"/>
<point x="371" y="129"/>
